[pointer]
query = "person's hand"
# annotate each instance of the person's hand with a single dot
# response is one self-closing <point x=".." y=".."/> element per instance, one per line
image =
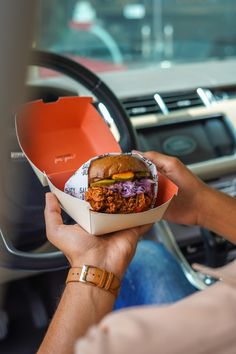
<point x="112" y="252"/>
<point x="186" y="207"/>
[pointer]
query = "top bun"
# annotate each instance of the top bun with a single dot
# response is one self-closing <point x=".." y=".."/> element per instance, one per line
<point x="107" y="166"/>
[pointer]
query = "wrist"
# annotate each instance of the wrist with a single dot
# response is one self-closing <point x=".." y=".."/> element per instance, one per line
<point x="93" y="259"/>
<point x="113" y="269"/>
<point x="94" y="276"/>
<point x="205" y="200"/>
<point x="93" y="292"/>
<point x="108" y="255"/>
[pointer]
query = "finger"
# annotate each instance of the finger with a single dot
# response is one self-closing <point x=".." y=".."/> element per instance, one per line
<point x="52" y="214"/>
<point x="165" y="164"/>
<point x="171" y="167"/>
<point x="153" y="155"/>
<point x="137" y="152"/>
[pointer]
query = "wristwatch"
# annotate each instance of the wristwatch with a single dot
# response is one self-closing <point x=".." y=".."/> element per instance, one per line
<point x="95" y="276"/>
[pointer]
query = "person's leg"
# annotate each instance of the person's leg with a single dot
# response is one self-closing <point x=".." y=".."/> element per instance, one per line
<point x="153" y="277"/>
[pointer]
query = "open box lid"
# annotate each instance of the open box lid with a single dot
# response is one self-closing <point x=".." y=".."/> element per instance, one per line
<point x="58" y="137"/>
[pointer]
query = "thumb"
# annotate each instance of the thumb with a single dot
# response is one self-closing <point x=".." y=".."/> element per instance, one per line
<point x="52" y="215"/>
<point x="170" y="167"/>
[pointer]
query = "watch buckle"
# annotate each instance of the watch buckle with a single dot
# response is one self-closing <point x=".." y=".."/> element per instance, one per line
<point x="84" y="273"/>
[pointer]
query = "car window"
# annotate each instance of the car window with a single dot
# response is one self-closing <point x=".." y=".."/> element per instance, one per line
<point x="114" y="35"/>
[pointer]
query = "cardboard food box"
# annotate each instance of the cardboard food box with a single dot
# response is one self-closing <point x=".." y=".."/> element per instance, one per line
<point x="57" y="138"/>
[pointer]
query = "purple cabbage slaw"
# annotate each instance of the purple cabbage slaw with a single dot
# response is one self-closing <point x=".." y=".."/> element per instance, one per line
<point x="131" y="188"/>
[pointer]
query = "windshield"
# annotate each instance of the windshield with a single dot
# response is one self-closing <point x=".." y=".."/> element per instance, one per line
<point x="113" y="35"/>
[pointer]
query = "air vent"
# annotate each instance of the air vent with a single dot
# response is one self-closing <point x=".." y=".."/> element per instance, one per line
<point x="224" y="93"/>
<point x="181" y="100"/>
<point x="140" y="106"/>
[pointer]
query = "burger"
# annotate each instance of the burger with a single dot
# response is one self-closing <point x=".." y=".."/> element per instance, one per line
<point x="120" y="184"/>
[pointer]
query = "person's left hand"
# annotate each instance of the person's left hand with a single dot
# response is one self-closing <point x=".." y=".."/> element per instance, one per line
<point x="112" y="252"/>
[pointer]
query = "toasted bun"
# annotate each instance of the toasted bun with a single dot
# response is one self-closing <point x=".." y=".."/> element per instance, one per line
<point x="106" y="166"/>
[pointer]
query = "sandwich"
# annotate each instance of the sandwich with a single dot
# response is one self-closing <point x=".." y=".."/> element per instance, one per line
<point x="120" y="184"/>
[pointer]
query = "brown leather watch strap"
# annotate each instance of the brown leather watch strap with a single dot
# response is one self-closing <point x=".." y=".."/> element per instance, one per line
<point x="95" y="276"/>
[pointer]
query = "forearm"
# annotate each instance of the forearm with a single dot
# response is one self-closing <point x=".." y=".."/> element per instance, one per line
<point x="202" y="323"/>
<point x="83" y="305"/>
<point x="80" y="307"/>
<point x="218" y="213"/>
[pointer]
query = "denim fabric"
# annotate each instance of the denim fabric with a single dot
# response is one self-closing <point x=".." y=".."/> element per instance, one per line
<point x="153" y="277"/>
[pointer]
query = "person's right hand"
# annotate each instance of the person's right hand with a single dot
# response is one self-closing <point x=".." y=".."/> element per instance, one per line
<point x="186" y="207"/>
<point x="112" y="252"/>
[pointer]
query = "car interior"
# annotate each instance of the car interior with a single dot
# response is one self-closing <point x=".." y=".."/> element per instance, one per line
<point x="162" y="76"/>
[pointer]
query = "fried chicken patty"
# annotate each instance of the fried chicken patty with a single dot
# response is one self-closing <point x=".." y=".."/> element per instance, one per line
<point x="105" y="200"/>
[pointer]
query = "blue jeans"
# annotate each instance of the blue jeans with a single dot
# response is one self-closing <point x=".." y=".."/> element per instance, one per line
<point x="153" y="277"/>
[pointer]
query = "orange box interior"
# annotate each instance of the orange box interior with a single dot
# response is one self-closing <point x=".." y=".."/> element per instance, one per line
<point x="166" y="190"/>
<point x="59" y="137"/>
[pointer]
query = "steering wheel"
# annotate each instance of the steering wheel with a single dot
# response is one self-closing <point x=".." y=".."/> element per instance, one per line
<point x="10" y="256"/>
